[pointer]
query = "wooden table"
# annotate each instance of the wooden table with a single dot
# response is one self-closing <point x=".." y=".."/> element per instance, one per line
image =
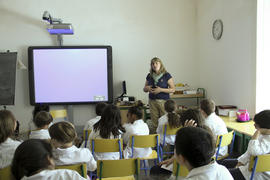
<point x="244" y="130"/>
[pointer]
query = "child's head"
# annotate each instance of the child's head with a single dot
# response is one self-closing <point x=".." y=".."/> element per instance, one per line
<point x="207" y="106"/>
<point x="63" y="132"/>
<point x="156" y="66"/>
<point x="99" y="108"/>
<point x="135" y="112"/>
<point x="32" y="156"/>
<point x="40" y="107"/>
<point x="192" y="114"/>
<point x="110" y="122"/>
<point x="262" y="119"/>
<point x="173" y="117"/>
<point x="7" y="125"/>
<point x="194" y="147"/>
<point x="42" y="119"/>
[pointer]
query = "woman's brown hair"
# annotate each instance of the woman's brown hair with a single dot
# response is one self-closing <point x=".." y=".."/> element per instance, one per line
<point x="7" y="124"/>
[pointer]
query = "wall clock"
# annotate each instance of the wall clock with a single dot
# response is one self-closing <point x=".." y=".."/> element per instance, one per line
<point x="217" y="29"/>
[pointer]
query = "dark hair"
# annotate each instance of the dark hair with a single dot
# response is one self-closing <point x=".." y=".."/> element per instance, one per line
<point x="193" y="114"/>
<point x="100" y="107"/>
<point x="173" y="117"/>
<point x="263" y="119"/>
<point x="42" y="118"/>
<point x="110" y="122"/>
<point x="63" y="132"/>
<point x="208" y="106"/>
<point x="196" y="145"/>
<point x="137" y="110"/>
<point x="7" y="124"/>
<point x="40" y="107"/>
<point x="30" y="157"/>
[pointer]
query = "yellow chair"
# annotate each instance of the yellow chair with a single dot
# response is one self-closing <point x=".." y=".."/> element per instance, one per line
<point x="179" y="170"/>
<point x="123" y="169"/>
<point x="59" y="113"/>
<point x="5" y="173"/>
<point x="107" y="145"/>
<point x="167" y="130"/>
<point x="80" y="168"/>
<point x="146" y="141"/>
<point x="86" y="134"/>
<point x="225" y="140"/>
<point x="259" y="164"/>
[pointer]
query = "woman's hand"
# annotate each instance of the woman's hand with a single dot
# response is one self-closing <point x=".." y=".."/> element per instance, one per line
<point x="191" y="123"/>
<point x="155" y="90"/>
<point x="167" y="162"/>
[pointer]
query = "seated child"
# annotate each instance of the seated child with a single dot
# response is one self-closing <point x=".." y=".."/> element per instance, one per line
<point x="136" y="126"/>
<point x="171" y="118"/>
<point x="258" y="145"/>
<point x="37" y="109"/>
<point x="42" y="121"/>
<point x="33" y="159"/>
<point x="108" y="127"/>
<point x="62" y="136"/>
<point x="214" y="122"/>
<point x="194" y="149"/>
<point x="7" y="145"/>
<point x="99" y="109"/>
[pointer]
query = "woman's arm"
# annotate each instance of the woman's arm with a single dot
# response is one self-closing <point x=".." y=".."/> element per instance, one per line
<point x="170" y="89"/>
<point x="146" y="88"/>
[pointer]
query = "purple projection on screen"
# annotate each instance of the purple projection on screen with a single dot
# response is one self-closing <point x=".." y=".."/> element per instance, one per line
<point x="70" y="75"/>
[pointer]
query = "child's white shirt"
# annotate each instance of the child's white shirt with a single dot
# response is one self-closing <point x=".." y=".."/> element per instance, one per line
<point x="170" y="139"/>
<point x="218" y="127"/>
<point x="57" y="174"/>
<point x="74" y="155"/>
<point x="212" y="171"/>
<point x="103" y="156"/>
<point x="139" y="127"/>
<point x="40" y="134"/>
<point x="7" y="150"/>
<point x="89" y="124"/>
<point x="256" y="147"/>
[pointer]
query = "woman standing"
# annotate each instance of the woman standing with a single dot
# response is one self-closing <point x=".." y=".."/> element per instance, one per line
<point x="159" y="84"/>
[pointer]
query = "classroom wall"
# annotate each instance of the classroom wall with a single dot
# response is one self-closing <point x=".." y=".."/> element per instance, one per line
<point x="137" y="31"/>
<point x="227" y="67"/>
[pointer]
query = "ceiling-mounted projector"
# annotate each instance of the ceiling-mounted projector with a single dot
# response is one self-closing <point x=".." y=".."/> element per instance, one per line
<point x="64" y="28"/>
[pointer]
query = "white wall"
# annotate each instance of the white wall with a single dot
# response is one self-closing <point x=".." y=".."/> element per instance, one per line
<point x="137" y="31"/>
<point x="227" y="67"/>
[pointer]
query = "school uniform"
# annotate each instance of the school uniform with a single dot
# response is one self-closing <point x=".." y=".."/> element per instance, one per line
<point x="139" y="127"/>
<point x="7" y="150"/>
<point x="64" y="174"/>
<point x="104" y="156"/>
<point x="89" y="124"/>
<point x="74" y="155"/>
<point x="256" y="147"/>
<point x="40" y="134"/>
<point x="170" y="139"/>
<point x="212" y="171"/>
<point x="218" y="127"/>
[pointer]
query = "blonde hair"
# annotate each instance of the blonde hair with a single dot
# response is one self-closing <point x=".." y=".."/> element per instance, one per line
<point x="162" y="68"/>
<point x="63" y="132"/>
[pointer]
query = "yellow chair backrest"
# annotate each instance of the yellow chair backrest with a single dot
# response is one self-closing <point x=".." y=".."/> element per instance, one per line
<point x="179" y="170"/>
<point x="106" y="145"/>
<point x="5" y="173"/>
<point x="145" y="141"/>
<point x="118" y="168"/>
<point x="262" y="163"/>
<point x="226" y="139"/>
<point x="60" y="113"/>
<point x="80" y="168"/>
<point x="169" y="130"/>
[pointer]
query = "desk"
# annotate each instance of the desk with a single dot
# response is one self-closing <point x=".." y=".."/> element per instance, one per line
<point x="244" y="130"/>
<point x="200" y="94"/>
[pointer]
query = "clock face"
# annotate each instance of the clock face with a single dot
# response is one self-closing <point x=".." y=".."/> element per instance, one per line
<point x="217" y="29"/>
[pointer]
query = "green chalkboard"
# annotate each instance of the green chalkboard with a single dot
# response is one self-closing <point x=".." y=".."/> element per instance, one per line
<point x="7" y="77"/>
